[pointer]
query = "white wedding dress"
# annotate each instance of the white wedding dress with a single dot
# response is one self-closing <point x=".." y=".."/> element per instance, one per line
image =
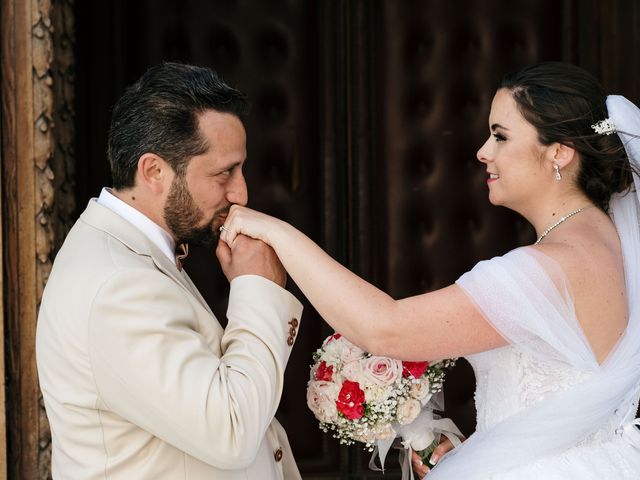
<point x="547" y="410"/>
<point x="510" y="380"/>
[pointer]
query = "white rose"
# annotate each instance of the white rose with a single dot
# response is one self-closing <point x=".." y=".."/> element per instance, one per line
<point x="381" y="371"/>
<point x="351" y="352"/>
<point x="420" y="390"/>
<point x="408" y="411"/>
<point x="384" y="432"/>
<point x="341" y="351"/>
<point x="368" y="436"/>
<point x="381" y="432"/>
<point x="352" y="371"/>
<point x="321" y="400"/>
<point x="376" y="393"/>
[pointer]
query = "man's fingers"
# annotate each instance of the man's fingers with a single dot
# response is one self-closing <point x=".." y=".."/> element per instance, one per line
<point x="223" y="252"/>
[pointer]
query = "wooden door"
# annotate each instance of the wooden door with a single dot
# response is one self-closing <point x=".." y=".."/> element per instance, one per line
<point x="366" y="118"/>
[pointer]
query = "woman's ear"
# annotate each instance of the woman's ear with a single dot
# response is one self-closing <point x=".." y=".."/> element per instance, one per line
<point x="153" y="173"/>
<point x="563" y="155"/>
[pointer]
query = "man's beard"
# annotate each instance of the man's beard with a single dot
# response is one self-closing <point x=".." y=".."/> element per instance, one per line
<point x="182" y="215"/>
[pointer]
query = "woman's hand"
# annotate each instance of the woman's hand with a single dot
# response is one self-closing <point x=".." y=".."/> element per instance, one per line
<point x="244" y="221"/>
<point x="422" y="468"/>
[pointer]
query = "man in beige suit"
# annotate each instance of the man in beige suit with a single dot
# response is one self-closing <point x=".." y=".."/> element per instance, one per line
<point x="138" y="377"/>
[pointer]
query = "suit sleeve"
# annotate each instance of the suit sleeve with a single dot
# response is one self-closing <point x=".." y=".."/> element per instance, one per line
<point x="153" y="367"/>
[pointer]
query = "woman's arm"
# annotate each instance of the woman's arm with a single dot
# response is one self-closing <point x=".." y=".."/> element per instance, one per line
<point x="435" y="325"/>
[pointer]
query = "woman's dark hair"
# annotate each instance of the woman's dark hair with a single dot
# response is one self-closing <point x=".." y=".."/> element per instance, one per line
<point x="159" y="114"/>
<point x="562" y="101"/>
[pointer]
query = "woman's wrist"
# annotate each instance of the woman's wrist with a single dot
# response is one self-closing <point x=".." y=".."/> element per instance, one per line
<point x="278" y="233"/>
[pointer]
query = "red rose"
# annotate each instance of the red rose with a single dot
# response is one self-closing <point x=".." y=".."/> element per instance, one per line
<point x="350" y="400"/>
<point x="414" y="369"/>
<point x="324" y="373"/>
<point x="330" y="339"/>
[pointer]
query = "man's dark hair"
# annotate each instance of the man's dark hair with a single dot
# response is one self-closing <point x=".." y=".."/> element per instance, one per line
<point x="159" y="114"/>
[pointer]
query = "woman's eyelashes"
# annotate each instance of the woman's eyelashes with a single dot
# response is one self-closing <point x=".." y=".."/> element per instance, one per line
<point x="499" y="137"/>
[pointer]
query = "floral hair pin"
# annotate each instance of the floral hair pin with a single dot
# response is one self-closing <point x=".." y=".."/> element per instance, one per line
<point x="604" y="127"/>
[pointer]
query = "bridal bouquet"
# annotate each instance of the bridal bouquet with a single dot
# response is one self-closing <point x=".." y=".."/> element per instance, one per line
<point x="365" y="398"/>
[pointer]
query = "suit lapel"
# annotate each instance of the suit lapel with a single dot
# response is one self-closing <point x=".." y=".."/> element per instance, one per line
<point x="113" y="224"/>
<point x="170" y="269"/>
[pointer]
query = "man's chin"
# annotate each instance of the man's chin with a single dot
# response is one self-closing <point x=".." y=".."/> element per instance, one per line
<point x="208" y="238"/>
<point x="205" y="236"/>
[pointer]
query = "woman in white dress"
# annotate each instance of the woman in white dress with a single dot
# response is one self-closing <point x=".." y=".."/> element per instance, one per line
<point x="552" y="330"/>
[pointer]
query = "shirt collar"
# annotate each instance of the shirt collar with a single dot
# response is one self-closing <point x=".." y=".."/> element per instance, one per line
<point x="154" y="232"/>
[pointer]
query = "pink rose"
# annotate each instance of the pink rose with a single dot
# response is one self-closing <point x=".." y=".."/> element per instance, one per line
<point x="350" y="400"/>
<point x="324" y="373"/>
<point x="381" y="371"/>
<point x="321" y="400"/>
<point x="414" y="369"/>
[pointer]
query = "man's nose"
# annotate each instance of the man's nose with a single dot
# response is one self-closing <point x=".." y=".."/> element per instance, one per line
<point x="237" y="193"/>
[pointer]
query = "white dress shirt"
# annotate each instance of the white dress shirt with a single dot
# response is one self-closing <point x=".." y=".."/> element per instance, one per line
<point x="154" y="232"/>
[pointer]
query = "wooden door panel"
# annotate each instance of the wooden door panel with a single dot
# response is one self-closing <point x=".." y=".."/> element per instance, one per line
<point x="366" y="118"/>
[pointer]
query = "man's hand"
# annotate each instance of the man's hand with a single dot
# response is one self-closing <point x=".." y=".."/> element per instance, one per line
<point x="252" y="257"/>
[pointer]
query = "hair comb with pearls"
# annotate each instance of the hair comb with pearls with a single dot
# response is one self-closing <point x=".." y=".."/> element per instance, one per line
<point x="604" y="127"/>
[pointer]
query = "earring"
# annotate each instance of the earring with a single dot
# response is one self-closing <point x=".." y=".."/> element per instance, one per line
<point x="558" y="175"/>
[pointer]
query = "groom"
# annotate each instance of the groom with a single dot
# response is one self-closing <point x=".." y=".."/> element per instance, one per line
<point x="139" y="379"/>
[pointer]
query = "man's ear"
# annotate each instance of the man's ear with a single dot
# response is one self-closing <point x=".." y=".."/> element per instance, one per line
<point x="153" y="173"/>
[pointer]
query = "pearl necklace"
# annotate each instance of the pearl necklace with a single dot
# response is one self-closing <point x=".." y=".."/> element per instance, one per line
<point x="562" y="219"/>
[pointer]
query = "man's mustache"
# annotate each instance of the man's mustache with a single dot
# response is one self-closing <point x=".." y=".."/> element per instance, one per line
<point x="223" y="211"/>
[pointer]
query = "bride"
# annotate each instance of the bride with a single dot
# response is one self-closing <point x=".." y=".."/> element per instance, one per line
<point x="552" y="330"/>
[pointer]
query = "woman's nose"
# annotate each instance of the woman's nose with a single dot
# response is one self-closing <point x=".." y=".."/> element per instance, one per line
<point x="482" y="154"/>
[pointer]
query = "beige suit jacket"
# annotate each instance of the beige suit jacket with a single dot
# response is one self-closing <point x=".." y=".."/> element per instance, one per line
<point x="139" y="379"/>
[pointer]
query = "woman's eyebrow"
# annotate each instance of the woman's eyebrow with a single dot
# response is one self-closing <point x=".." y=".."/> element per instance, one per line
<point x="497" y="125"/>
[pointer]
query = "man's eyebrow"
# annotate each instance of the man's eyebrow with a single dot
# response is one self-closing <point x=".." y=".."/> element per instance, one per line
<point x="497" y="125"/>
<point x="231" y="166"/>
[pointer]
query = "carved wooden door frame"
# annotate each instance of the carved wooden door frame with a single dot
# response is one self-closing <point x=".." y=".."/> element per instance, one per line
<point x="19" y="231"/>
<point x="36" y="78"/>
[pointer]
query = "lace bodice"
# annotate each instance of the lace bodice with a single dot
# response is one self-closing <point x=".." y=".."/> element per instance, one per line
<point x="509" y="380"/>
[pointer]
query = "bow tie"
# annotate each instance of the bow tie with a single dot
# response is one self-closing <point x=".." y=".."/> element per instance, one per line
<point x="182" y="251"/>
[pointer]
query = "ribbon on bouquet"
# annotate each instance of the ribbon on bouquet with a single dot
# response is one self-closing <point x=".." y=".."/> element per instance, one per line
<point x="415" y="436"/>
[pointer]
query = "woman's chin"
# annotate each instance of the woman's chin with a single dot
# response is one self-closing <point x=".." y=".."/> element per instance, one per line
<point x="494" y="199"/>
